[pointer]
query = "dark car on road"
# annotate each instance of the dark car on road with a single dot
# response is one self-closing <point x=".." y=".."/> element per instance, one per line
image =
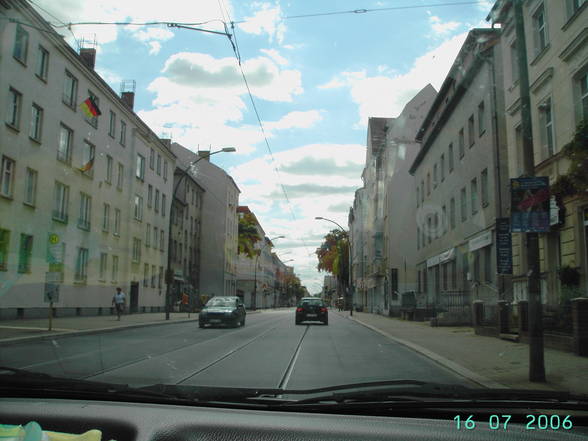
<point x="227" y="311"/>
<point x="312" y="309"/>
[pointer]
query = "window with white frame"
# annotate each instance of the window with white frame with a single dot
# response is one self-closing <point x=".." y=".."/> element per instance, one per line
<point x="21" y="44"/>
<point x="7" y="177"/>
<point x="481" y="119"/>
<point x="546" y="126"/>
<point x="471" y="137"/>
<point x="116" y="229"/>
<point x="109" y="169"/>
<point x="464" y="207"/>
<point x="514" y="62"/>
<point x="540" y="30"/>
<point x="148" y="236"/>
<point x="123" y="133"/>
<point x="461" y="141"/>
<point x="442" y="166"/>
<point x="60" y="202"/>
<point x="85" y="211"/>
<point x="30" y="194"/>
<point x="452" y="213"/>
<point x="156" y="200"/>
<point x="25" y="253"/>
<point x="64" y="148"/>
<point x="146" y="275"/>
<point x="155" y="236"/>
<point x="582" y="87"/>
<point x="103" y="266"/>
<point x="162" y="204"/>
<point x="151" y="159"/>
<point x="474" y="195"/>
<point x="42" y="67"/>
<point x="159" y="164"/>
<point x="153" y="275"/>
<point x="149" y="196"/>
<point x="161" y="239"/>
<point x="138" y="208"/>
<point x="4" y="247"/>
<point x="106" y="218"/>
<point x="114" y="275"/>
<point x="136" y="250"/>
<point x="112" y="124"/>
<point x="140" y="171"/>
<point x="450" y="157"/>
<point x="574" y="6"/>
<point x="36" y="122"/>
<point x="435" y="181"/>
<point x="14" y="106"/>
<point x="70" y="90"/>
<point x="120" y="177"/>
<point x="81" y="274"/>
<point x="484" y="187"/>
<point x="165" y="170"/>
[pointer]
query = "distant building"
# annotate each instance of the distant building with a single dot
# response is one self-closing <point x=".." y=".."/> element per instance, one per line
<point x="219" y="225"/>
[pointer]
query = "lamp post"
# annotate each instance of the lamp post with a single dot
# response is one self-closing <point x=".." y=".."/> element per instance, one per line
<point x="169" y="276"/>
<point x="254" y="296"/>
<point x="346" y="233"/>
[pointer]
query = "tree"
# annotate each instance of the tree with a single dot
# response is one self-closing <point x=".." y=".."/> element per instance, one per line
<point x="333" y="256"/>
<point x="248" y="235"/>
<point x="575" y="181"/>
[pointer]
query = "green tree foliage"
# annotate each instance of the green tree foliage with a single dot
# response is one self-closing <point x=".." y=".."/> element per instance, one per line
<point x="333" y="255"/>
<point x="248" y="235"/>
<point x="575" y="181"/>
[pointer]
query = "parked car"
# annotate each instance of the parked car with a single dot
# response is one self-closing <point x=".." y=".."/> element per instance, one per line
<point x="312" y="309"/>
<point x="222" y="311"/>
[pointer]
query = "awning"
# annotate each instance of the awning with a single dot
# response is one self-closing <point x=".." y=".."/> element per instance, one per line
<point x="480" y="241"/>
<point x="441" y="258"/>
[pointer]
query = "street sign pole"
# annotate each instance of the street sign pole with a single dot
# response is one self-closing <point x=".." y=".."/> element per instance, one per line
<point x="50" y="316"/>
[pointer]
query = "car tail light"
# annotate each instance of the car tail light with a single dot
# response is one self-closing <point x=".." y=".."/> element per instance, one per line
<point x="323" y="309"/>
<point x="298" y="309"/>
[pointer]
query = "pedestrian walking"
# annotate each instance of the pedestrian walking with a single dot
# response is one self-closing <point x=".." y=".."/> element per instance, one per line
<point x="118" y="300"/>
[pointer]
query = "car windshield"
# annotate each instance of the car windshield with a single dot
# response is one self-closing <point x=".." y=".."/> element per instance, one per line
<point x="221" y="302"/>
<point x="412" y="170"/>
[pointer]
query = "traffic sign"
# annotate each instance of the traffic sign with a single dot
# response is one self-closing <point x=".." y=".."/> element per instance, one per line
<point x="51" y="293"/>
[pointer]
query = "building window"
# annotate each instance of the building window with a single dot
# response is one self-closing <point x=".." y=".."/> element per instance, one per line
<point x="582" y="86"/>
<point x="464" y="207"/>
<point x="30" y="195"/>
<point x="106" y="218"/>
<point x="120" y="177"/>
<point x="155" y="236"/>
<point x="161" y="239"/>
<point x="148" y="236"/>
<point x="481" y="119"/>
<point x="461" y="142"/>
<point x="514" y="62"/>
<point x="442" y="166"/>
<point x="36" y="122"/>
<point x="444" y="219"/>
<point x="14" y="106"/>
<point x="25" y="253"/>
<point x="422" y="191"/>
<point x="61" y="202"/>
<point x="149" y="195"/>
<point x="546" y="124"/>
<point x="123" y="133"/>
<point x="159" y="164"/>
<point x="140" y="172"/>
<point x="136" y="250"/>
<point x="138" y="208"/>
<point x="471" y="137"/>
<point x="93" y="120"/>
<point x="474" y="195"/>
<point x="64" y="149"/>
<point x="452" y="213"/>
<point x="116" y="230"/>
<point x="88" y="155"/>
<point x="165" y="170"/>
<point x="7" y="177"/>
<point x="160" y="277"/>
<point x="146" y="275"/>
<point x="156" y="201"/>
<point x="435" y="181"/>
<point x="151" y="159"/>
<point x="484" y="187"/>
<point x="428" y="184"/>
<point x="81" y="274"/>
<point x="574" y="6"/>
<point x="103" y="266"/>
<point x="418" y="237"/>
<point x="21" y="44"/>
<point x="108" y="169"/>
<point x="70" y="90"/>
<point x="430" y="227"/>
<point x="112" y="124"/>
<point x="4" y="246"/>
<point x="162" y="205"/>
<point x="85" y="212"/>
<point x="114" y="268"/>
<point x="153" y="275"/>
<point x="540" y="30"/>
<point x="450" y="157"/>
<point x="42" y="63"/>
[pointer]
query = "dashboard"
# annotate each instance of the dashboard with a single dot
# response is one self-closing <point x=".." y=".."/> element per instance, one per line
<point x="126" y="421"/>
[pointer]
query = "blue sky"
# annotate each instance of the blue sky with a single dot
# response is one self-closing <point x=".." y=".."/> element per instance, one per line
<point x="315" y="82"/>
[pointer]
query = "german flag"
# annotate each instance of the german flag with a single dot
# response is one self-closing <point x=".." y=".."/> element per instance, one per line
<point x="90" y="108"/>
<point x="87" y="166"/>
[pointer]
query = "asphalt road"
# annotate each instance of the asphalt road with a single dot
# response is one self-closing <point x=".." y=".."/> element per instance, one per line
<point x="269" y="351"/>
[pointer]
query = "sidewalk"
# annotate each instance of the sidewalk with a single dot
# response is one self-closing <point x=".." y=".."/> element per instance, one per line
<point x="488" y="361"/>
<point x="12" y="331"/>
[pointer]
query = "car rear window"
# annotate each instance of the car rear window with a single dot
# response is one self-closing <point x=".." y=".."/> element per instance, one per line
<point x="317" y="302"/>
<point x="221" y="302"/>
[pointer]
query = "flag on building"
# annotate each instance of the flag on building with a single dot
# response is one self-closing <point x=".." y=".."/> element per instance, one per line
<point x="90" y="108"/>
<point x="88" y="165"/>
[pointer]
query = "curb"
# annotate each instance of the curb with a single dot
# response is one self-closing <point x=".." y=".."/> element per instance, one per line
<point x="448" y="364"/>
<point x="16" y="340"/>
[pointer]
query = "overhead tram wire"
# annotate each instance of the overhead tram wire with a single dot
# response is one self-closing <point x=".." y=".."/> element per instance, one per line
<point x="56" y="18"/>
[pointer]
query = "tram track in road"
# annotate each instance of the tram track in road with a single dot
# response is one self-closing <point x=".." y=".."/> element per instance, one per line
<point x="176" y="349"/>
<point x="288" y="372"/>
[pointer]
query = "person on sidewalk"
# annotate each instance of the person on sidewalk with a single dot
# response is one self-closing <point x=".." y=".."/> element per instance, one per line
<point x="118" y="300"/>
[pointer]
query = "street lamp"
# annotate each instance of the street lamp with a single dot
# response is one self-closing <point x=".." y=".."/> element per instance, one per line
<point x="346" y="233"/>
<point x="169" y="276"/>
<point x="254" y="296"/>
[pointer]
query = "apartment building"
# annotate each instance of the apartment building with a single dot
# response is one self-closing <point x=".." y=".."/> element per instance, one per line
<point x="73" y="184"/>
<point x="459" y="179"/>
<point x="556" y="38"/>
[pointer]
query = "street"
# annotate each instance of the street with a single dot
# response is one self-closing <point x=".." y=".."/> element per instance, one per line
<point x="269" y="351"/>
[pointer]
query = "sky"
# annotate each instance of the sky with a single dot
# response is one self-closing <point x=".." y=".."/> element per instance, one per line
<point x="314" y="80"/>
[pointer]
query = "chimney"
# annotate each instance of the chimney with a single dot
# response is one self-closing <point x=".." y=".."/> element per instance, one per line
<point x="205" y="154"/>
<point x="127" y="93"/>
<point x="88" y="56"/>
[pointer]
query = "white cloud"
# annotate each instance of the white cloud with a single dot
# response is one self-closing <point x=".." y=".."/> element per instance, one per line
<point x="155" y="47"/>
<point x="275" y="55"/>
<point x="383" y="95"/>
<point x="441" y="28"/>
<point x="266" y="20"/>
<point x="113" y="79"/>
<point x="296" y="119"/>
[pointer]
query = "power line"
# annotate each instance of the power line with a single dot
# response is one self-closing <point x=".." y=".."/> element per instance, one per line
<point x="56" y="18"/>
